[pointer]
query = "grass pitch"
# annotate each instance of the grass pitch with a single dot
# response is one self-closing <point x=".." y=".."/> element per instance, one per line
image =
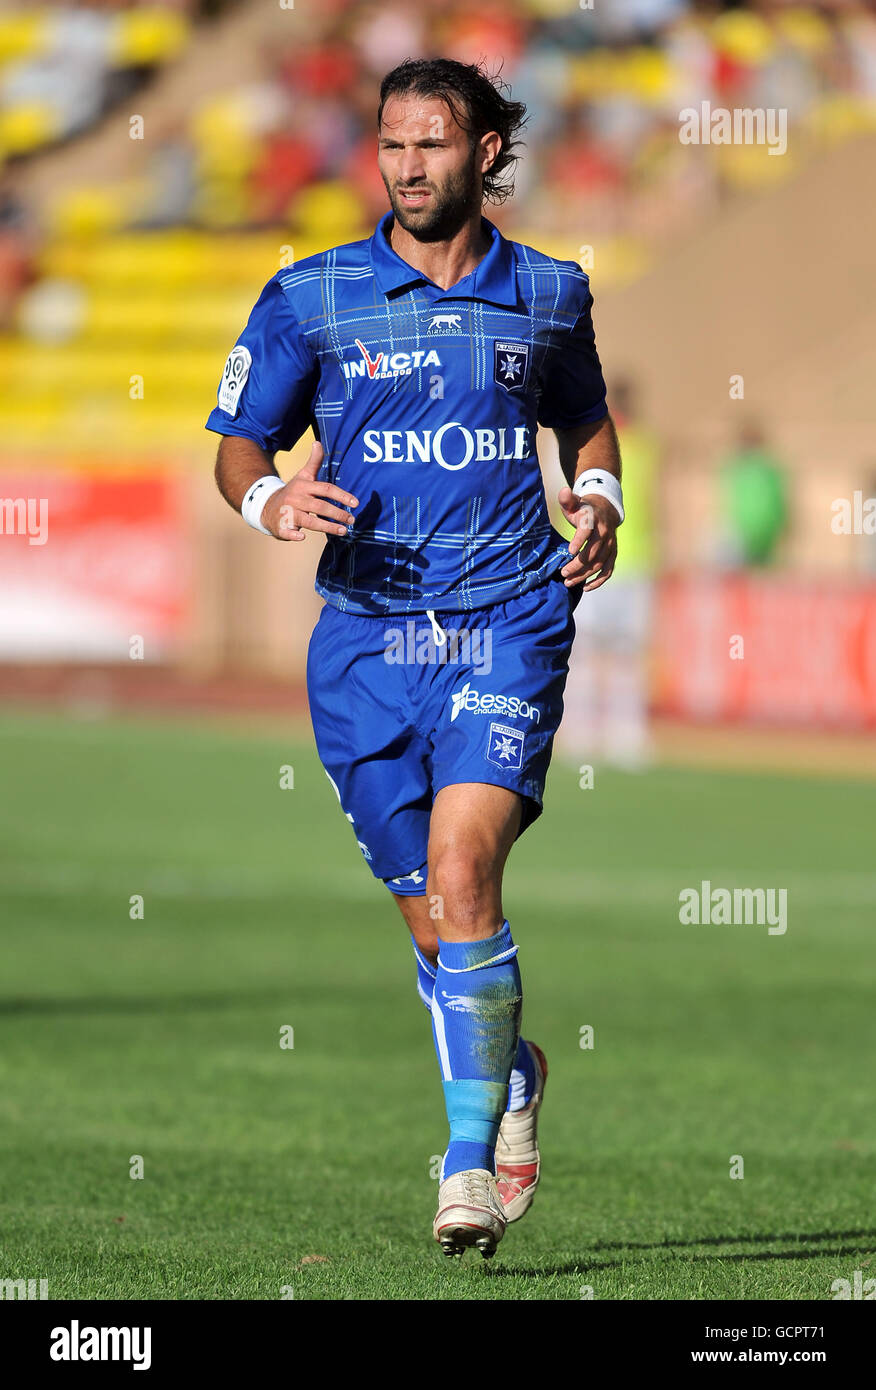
<point x="305" y="1171"/>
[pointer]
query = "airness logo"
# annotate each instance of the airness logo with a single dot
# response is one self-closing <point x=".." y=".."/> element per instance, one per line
<point x="510" y="361"/>
<point x="445" y="323"/>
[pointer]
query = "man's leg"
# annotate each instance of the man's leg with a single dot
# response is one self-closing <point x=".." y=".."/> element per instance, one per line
<point x="418" y="913"/>
<point x="459" y="931"/>
<point x="477" y="998"/>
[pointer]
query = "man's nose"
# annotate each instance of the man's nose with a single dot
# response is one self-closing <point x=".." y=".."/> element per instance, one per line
<point x="411" y="166"/>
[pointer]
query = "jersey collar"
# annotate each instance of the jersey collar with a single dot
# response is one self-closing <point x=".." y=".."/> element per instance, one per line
<point x="494" y="279"/>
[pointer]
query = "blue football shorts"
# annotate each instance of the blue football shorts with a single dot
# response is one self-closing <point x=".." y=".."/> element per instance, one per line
<point x="398" y="715"/>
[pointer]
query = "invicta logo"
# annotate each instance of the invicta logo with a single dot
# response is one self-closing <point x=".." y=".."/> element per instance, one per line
<point x="388" y="364"/>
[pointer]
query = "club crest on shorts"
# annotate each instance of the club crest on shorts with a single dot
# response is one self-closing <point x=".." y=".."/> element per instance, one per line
<point x="510" y="361"/>
<point x="505" y="746"/>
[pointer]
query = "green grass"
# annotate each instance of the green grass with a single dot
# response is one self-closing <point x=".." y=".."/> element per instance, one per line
<point x="160" y="1037"/>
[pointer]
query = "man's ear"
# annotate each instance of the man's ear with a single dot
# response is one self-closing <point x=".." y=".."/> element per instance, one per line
<point x="491" y="148"/>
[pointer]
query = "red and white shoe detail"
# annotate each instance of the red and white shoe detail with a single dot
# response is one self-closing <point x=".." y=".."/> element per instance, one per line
<point x="518" y="1164"/>
<point x="469" y="1213"/>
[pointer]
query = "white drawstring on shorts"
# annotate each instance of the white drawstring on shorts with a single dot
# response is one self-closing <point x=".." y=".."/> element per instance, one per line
<point x="437" y="631"/>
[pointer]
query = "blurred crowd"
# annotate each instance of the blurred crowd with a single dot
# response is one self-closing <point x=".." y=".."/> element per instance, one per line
<point x="604" y="86"/>
<point x="293" y="144"/>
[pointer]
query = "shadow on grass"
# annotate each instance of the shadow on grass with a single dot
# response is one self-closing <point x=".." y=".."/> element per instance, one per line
<point x="678" y="1248"/>
<point x="667" y="1243"/>
<point x="95" y="1005"/>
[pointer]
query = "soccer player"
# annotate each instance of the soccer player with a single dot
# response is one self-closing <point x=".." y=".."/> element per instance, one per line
<point x="424" y="358"/>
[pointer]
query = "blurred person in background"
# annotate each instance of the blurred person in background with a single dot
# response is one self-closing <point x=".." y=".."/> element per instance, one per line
<point x="17" y="250"/>
<point x="754" y="502"/>
<point x="170" y="181"/>
<point x="607" y="693"/>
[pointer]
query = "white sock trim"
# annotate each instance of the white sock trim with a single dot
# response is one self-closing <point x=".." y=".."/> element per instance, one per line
<point x="425" y="964"/>
<point x="482" y="965"/>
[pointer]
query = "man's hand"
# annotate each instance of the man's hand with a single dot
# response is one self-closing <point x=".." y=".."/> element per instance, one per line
<point x="307" y="505"/>
<point x="594" y="544"/>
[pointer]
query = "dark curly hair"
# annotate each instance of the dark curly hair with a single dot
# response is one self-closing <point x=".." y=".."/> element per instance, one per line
<point x="478" y="105"/>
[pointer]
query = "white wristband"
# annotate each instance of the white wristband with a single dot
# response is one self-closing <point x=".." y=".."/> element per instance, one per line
<point x="253" y="503"/>
<point x="603" y="484"/>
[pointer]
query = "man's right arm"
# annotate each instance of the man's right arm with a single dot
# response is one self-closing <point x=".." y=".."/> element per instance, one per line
<point x="264" y="405"/>
<point x="303" y="504"/>
<point x="240" y="463"/>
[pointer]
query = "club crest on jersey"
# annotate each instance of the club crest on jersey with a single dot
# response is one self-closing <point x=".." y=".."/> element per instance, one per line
<point x="384" y="365"/>
<point x="445" y="323"/>
<point x="505" y="746"/>
<point x="510" y="361"/>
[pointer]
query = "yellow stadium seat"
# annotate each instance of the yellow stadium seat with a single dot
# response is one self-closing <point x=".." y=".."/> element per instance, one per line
<point x="225" y="144"/>
<point x="26" y="127"/>
<point x="89" y="212"/>
<point x="328" y="211"/>
<point x="743" y="36"/>
<point x="805" y="29"/>
<point x="592" y="75"/>
<point x="620" y="259"/>
<point x="752" y="166"/>
<point x="220" y="204"/>
<point x="181" y="257"/>
<point x="647" y="73"/>
<point x="842" y="116"/>
<point x="23" y="35"/>
<point x="142" y="38"/>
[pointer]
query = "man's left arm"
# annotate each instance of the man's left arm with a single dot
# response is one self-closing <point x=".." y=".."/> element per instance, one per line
<point x="589" y="448"/>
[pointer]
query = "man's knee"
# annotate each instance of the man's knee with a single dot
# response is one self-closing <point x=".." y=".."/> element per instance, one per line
<point x="418" y="913"/>
<point x="464" y="877"/>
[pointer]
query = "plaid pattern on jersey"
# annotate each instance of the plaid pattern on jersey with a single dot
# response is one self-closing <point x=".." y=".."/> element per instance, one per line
<point x="427" y="402"/>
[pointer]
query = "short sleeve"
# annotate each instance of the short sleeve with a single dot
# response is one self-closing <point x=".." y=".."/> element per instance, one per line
<point x="573" y="389"/>
<point x="270" y="378"/>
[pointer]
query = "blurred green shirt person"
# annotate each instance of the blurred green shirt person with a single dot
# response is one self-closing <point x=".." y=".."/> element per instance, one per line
<point x="754" y="495"/>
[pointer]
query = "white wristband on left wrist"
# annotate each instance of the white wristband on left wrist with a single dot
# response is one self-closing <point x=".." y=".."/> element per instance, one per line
<point x="600" y="483"/>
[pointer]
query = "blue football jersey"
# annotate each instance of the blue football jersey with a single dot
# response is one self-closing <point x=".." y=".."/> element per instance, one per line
<point x="427" y="403"/>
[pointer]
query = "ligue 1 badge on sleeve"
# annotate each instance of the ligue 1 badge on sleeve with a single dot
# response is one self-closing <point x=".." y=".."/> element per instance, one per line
<point x="510" y="361"/>
<point x="234" y="378"/>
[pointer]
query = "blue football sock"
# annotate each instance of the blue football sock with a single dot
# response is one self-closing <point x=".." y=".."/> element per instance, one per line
<point x="522" y="1085"/>
<point x="476" y="1022"/>
<point x="426" y="973"/>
